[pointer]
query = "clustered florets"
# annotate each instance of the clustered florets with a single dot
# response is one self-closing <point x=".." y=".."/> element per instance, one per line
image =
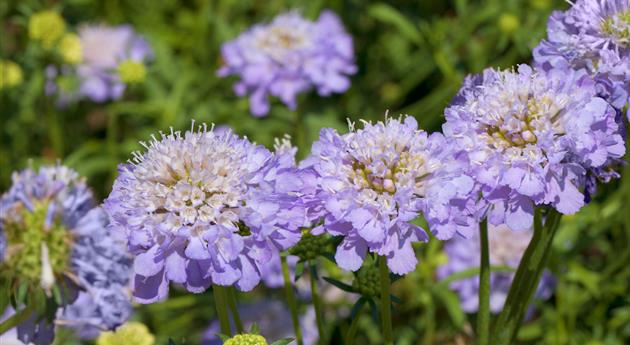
<point x="56" y="240"/>
<point x="374" y="181"/>
<point x="532" y="138"/>
<point x="204" y="207"/>
<point x="289" y="56"/>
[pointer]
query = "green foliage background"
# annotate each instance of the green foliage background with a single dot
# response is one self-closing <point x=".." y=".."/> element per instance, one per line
<point x="412" y="57"/>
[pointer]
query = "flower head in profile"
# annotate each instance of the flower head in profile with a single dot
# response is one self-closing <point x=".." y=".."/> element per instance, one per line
<point x="532" y="138"/>
<point x="506" y="249"/>
<point x="202" y="207"/>
<point x="56" y="241"/>
<point x="289" y="56"/>
<point x="110" y="59"/>
<point x="372" y="182"/>
<point x="592" y="34"/>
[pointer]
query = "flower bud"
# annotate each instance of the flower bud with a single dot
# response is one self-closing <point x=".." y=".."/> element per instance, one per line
<point x="46" y="27"/>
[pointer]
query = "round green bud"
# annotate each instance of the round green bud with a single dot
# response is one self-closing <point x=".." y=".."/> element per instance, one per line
<point x="131" y="333"/>
<point x="46" y="27"/>
<point x="508" y="23"/>
<point x="131" y="72"/>
<point x="311" y="246"/>
<point x="70" y="49"/>
<point x="367" y="281"/>
<point x="10" y="74"/>
<point x="246" y="339"/>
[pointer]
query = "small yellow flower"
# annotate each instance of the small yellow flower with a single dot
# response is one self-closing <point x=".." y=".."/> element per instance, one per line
<point x="131" y="72"/>
<point x="131" y="333"/>
<point x="508" y="23"/>
<point x="10" y="74"/>
<point x="46" y="27"/>
<point x="71" y="49"/>
<point x="245" y="339"/>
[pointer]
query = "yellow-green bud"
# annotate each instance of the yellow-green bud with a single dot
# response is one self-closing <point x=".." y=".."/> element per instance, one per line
<point x="46" y="27"/>
<point x="10" y="74"/>
<point x="131" y="72"/>
<point x="367" y="281"/>
<point x="508" y="23"/>
<point x="70" y="49"/>
<point x="131" y="333"/>
<point x="540" y="4"/>
<point x="246" y="339"/>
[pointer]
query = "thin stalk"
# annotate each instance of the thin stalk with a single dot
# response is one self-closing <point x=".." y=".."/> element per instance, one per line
<point x="526" y="279"/>
<point x="288" y="289"/>
<point x="386" y="312"/>
<point x="16" y="319"/>
<point x="483" y="316"/>
<point x="220" y="301"/>
<point x="316" y="302"/>
<point x="233" y="307"/>
<point x="354" y="325"/>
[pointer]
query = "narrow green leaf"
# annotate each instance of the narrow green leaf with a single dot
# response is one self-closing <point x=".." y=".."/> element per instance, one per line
<point x="284" y="341"/>
<point x="343" y="286"/>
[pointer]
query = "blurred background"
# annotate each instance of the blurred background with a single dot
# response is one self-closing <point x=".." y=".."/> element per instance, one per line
<point x="412" y="57"/>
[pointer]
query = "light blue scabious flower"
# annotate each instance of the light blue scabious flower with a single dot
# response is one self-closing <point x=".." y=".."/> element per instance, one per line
<point x="532" y="137"/>
<point x="68" y="247"/>
<point x="289" y="56"/>
<point x="373" y="182"/>
<point x="201" y="208"/>
<point x="97" y="77"/>
<point x="506" y="249"/>
<point x="595" y="35"/>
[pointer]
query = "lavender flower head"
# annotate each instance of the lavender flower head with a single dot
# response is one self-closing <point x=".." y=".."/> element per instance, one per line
<point x="506" y="249"/>
<point x="592" y="34"/>
<point x="531" y="137"/>
<point x="112" y="58"/>
<point x="374" y="181"/>
<point x="57" y="240"/>
<point x="289" y="56"/>
<point x="200" y="208"/>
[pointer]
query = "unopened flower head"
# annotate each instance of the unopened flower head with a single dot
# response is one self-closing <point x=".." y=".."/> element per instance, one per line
<point x="46" y="27"/>
<point x="592" y="34"/>
<point x="506" y="249"/>
<point x="10" y="74"/>
<point x="111" y="58"/>
<point x="71" y="49"/>
<point x="289" y="56"/>
<point x="56" y="240"/>
<point x="204" y="207"/>
<point x="374" y="181"/>
<point x="131" y="333"/>
<point x="531" y="137"/>
<point x="246" y="339"/>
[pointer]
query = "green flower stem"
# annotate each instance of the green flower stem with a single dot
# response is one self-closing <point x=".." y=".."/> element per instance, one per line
<point x="220" y="301"/>
<point x="483" y="316"/>
<point x="288" y="289"/>
<point x="316" y="301"/>
<point x="354" y="325"/>
<point x="233" y="307"/>
<point x="527" y="277"/>
<point x="16" y="319"/>
<point x="386" y="311"/>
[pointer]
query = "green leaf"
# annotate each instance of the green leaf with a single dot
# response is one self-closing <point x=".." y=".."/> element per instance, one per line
<point x="469" y="273"/>
<point x="390" y="15"/>
<point x="450" y="300"/>
<point x="343" y="286"/>
<point x="357" y="307"/>
<point x="284" y="341"/>
<point x="299" y="270"/>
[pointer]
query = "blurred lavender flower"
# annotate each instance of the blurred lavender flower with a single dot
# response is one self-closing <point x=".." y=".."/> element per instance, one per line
<point x="274" y="320"/>
<point x="203" y="208"/>
<point x="112" y="57"/>
<point x="57" y="239"/>
<point x="506" y="249"/>
<point x="595" y="35"/>
<point x="289" y="56"/>
<point x="530" y="137"/>
<point x="374" y="181"/>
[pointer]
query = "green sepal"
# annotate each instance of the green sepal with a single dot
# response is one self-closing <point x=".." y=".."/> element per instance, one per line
<point x="343" y="286"/>
<point x="254" y="329"/>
